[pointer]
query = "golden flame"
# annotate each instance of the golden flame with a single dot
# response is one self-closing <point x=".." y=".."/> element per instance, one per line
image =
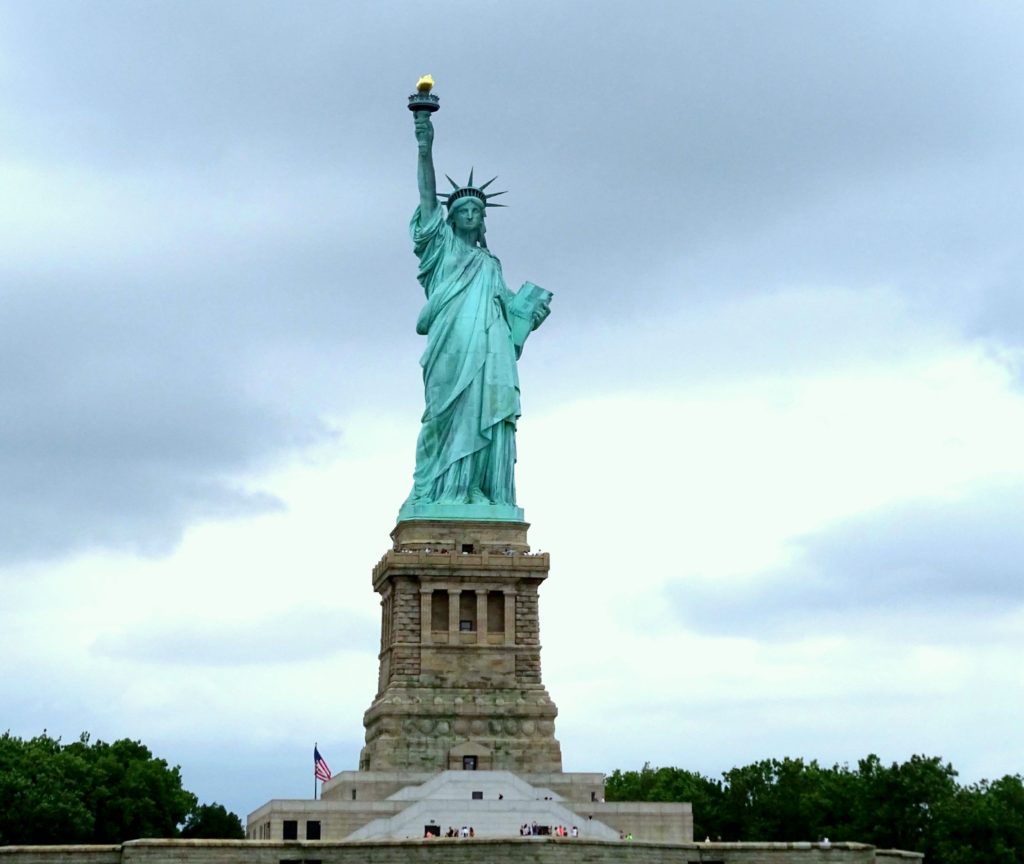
<point x="424" y="84"/>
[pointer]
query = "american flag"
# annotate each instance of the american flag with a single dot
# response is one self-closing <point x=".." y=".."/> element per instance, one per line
<point x="320" y="769"/>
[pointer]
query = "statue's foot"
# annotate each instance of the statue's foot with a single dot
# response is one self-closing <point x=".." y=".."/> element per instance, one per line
<point x="476" y="496"/>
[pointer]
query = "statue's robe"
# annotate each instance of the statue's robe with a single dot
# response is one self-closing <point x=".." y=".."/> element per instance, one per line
<point x="467" y="440"/>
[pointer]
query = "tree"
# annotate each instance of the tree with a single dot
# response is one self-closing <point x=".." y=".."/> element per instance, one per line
<point x="915" y="805"/>
<point x="983" y="822"/>
<point x="92" y="792"/>
<point x="39" y="793"/>
<point x="897" y="806"/>
<point x="213" y="822"/>
<point x="671" y="784"/>
<point x="787" y="799"/>
<point x="134" y="794"/>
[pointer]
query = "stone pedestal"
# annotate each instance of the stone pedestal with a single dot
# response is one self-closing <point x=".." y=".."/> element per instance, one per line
<point x="460" y="683"/>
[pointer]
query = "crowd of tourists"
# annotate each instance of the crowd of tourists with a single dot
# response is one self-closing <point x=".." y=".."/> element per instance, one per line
<point x="532" y="829"/>
<point x="527" y="829"/>
<point x="432" y="831"/>
<point x="507" y="551"/>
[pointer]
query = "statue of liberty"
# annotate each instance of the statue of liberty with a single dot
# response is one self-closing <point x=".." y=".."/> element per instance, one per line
<point x="475" y="328"/>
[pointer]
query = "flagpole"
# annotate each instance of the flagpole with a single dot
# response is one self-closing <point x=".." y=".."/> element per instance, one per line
<point x="314" y="772"/>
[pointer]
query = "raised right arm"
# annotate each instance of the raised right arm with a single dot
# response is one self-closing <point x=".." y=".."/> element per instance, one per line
<point x="425" y="169"/>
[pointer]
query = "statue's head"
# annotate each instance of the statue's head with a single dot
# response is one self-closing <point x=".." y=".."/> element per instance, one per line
<point x="467" y="215"/>
<point x="469" y="196"/>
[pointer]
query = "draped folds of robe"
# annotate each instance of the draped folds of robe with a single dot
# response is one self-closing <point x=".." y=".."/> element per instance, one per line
<point x="466" y="444"/>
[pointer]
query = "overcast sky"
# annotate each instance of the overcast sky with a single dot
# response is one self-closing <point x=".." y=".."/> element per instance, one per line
<point x="772" y="431"/>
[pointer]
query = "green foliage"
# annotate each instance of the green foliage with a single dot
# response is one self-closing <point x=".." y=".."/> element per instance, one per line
<point x="985" y="817"/>
<point x="39" y="802"/>
<point x="900" y="803"/>
<point x="213" y="822"/>
<point x="88" y="792"/>
<point x="670" y="784"/>
<point x="914" y="805"/>
<point x="780" y="800"/>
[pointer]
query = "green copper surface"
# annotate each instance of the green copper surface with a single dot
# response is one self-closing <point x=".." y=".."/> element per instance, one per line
<point x="472" y="512"/>
<point x="476" y="328"/>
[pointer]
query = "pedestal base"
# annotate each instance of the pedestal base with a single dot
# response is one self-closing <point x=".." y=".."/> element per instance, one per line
<point x="418" y="729"/>
<point x="460" y="684"/>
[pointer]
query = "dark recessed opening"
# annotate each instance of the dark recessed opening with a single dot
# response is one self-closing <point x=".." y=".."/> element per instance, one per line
<point x="439" y="610"/>
<point x="468" y="548"/>
<point x="467" y="610"/>
<point x="495" y="612"/>
<point x="478" y="796"/>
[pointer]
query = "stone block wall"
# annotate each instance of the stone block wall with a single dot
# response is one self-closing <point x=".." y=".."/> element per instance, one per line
<point x="60" y="854"/>
<point x="527" y="637"/>
<point x="534" y="850"/>
<point x="577" y="787"/>
<point x="407" y="612"/>
<point x="527" y="618"/>
<point x="662" y="823"/>
<point x="368" y="785"/>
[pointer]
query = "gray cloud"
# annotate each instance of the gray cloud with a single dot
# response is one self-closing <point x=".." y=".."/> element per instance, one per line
<point x="938" y="567"/>
<point x="206" y="255"/>
<point x="121" y="425"/>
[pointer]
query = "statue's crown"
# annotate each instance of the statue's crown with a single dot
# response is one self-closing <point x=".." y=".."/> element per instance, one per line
<point x="469" y="190"/>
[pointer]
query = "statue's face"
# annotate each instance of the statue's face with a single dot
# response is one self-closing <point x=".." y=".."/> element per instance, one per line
<point x="469" y="216"/>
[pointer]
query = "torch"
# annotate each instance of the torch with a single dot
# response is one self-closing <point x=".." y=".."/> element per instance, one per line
<point x="423" y="99"/>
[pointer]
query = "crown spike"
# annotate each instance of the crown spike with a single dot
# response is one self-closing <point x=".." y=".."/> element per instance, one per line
<point x="469" y="190"/>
